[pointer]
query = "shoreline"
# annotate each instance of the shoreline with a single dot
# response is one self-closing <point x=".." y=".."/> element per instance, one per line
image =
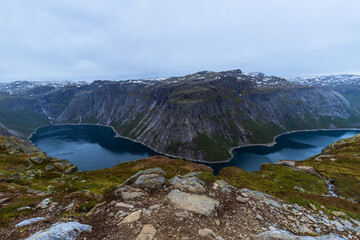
<point x="195" y="160"/>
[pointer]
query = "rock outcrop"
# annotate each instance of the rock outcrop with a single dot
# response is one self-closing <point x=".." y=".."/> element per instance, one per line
<point x="192" y="202"/>
<point x="174" y="211"/>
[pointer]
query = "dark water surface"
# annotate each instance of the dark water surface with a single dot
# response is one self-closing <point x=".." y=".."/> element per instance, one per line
<point x="292" y="146"/>
<point x="96" y="147"/>
<point x="88" y="147"/>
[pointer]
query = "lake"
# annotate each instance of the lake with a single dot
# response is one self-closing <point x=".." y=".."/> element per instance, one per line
<point x="93" y="147"/>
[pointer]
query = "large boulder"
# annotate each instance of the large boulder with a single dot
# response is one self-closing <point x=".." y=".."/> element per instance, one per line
<point x="192" y="202"/>
<point x="153" y="178"/>
<point x="148" y="232"/>
<point x="149" y="181"/>
<point x="129" y="193"/>
<point x="192" y="184"/>
<point x="61" y="231"/>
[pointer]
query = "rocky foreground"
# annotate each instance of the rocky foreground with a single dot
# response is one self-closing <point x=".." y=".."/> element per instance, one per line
<point x="147" y="206"/>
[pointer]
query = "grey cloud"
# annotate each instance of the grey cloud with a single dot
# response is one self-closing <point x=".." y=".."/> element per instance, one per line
<point x="87" y="39"/>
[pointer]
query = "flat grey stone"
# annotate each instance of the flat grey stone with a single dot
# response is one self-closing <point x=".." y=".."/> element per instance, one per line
<point x="150" y="181"/>
<point x="36" y="160"/>
<point x="192" y="202"/>
<point x="29" y="221"/>
<point x="192" y="184"/>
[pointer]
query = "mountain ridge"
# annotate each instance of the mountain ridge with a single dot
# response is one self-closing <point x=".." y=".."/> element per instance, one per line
<point x="199" y="116"/>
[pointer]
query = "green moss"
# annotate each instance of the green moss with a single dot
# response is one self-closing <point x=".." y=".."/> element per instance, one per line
<point x="10" y="211"/>
<point x="86" y="207"/>
<point x="207" y="177"/>
<point x="274" y="178"/>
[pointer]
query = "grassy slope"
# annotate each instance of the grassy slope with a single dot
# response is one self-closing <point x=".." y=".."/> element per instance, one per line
<point x="339" y="161"/>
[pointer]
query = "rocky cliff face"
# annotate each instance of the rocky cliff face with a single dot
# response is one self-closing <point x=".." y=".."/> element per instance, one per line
<point x="201" y="116"/>
<point x="4" y="131"/>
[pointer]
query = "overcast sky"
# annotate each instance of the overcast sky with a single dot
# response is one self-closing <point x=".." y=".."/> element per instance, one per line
<point x="111" y="39"/>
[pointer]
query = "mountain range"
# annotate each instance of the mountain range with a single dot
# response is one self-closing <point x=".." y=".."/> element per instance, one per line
<point x="200" y="116"/>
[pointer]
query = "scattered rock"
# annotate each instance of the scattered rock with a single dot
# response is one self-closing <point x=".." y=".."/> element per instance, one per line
<point x="121" y="214"/>
<point x="182" y="214"/>
<point x="286" y="163"/>
<point x="338" y="226"/>
<point x="69" y="207"/>
<point x="133" y="217"/>
<point x="29" y="221"/>
<point x="297" y="207"/>
<point x="150" y="181"/>
<point x="338" y="214"/>
<point x="309" y="169"/>
<point x="242" y="200"/>
<point x="71" y="169"/>
<point x="192" y="202"/>
<point x="36" y="160"/>
<point x="192" y="184"/>
<point x="24" y="208"/>
<point x="148" y="232"/>
<point x="4" y="200"/>
<point x="192" y="174"/>
<point x="312" y="206"/>
<point x="68" y="231"/>
<point x="63" y="164"/>
<point x="129" y="193"/>
<point x="124" y="205"/>
<point x="154" y="207"/>
<point x="224" y="186"/>
<point x="95" y="208"/>
<point x="299" y="189"/>
<point x="206" y="232"/>
<point x="49" y="167"/>
<point x="158" y="171"/>
<point x="305" y="230"/>
<point x="44" y="204"/>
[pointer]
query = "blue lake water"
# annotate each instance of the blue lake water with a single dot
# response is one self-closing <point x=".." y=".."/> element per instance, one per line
<point x="96" y="147"/>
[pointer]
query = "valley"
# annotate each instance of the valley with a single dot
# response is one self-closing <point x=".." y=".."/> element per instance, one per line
<point x="200" y="116"/>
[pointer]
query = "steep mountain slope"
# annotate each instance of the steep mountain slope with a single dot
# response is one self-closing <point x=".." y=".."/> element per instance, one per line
<point x="201" y="116"/>
<point x="346" y="84"/>
<point x="4" y="131"/>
